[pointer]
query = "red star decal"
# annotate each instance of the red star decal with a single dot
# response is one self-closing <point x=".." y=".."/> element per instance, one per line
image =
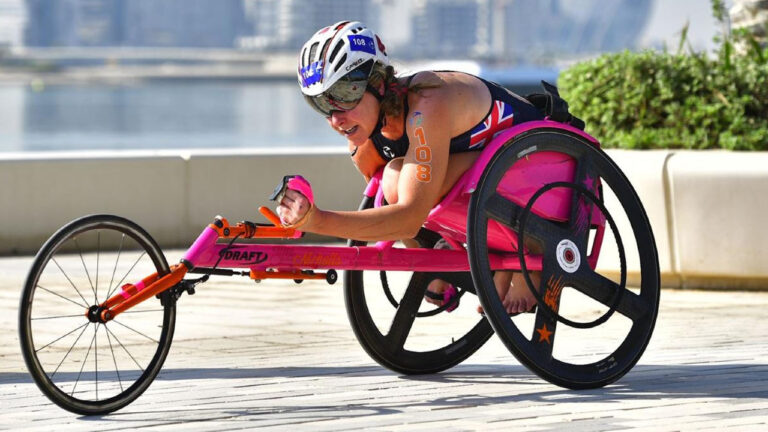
<point x="544" y="334"/>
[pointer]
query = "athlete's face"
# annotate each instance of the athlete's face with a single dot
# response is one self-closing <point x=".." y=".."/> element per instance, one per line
<point x="357" y="124"/>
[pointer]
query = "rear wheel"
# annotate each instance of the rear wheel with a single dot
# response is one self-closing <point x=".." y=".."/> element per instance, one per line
<point x="592" y="323"/>
<point x="83" y="365"/>
<point x="402" y="332"/>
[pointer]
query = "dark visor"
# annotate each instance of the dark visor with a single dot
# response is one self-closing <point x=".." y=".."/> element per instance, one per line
<point x="345" y="93"/>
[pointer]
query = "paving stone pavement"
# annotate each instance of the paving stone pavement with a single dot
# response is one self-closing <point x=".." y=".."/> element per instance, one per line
<point x="279" y="356"/>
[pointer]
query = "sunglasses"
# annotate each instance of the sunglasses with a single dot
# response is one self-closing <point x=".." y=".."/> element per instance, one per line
<point x="345" y="93"/>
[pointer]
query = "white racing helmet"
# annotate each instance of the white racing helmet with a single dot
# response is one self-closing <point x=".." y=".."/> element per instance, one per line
<point x="335" y="64"/>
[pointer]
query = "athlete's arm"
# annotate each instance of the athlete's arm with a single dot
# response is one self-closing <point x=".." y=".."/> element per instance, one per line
<point x="419" y="184"/>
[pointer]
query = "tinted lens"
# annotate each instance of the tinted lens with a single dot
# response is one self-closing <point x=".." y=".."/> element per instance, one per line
<point x="345" y="93"/>
<point x="319" y="105"/>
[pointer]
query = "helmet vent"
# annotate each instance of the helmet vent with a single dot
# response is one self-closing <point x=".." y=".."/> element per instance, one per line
<point x="312" y="51"/>
<point x="325" y="48"/>
<point x="341" y="62"/>
<point x="336" y="51"/>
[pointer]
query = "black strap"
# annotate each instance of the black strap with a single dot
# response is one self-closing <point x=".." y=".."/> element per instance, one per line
<point x="553" y="106"/>
<point x="377" y="130"/>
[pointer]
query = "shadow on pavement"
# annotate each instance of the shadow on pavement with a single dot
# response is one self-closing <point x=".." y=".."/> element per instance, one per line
<point x="644" y="381"/>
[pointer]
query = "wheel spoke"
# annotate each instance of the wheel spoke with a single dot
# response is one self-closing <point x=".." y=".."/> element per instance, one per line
<point x="98" y="255"/>
<point x="508" y="214"/>
<point x="135" y="331"/>
<point x="604" y="290"/>
<point x="114" y="358"/>
<point x="58" y="317"/>
<point x="127" y="273"/>
<point x="114" y="270"/>
<point x="70" y="280"/>
<point x="543" y="339"/>
<point x="551" y="287"/>
<point x="82" y="260"/>
<point x="85" y="360"/>
<point x="551" y="283"/>
<point x="124" y="348"/>
<point x="96" y="350"/>
<point x="581" y="211"/>
<point x="60" y="338"/>
<point x="67" y="299"/>
<point x="85" y="327"/>
<point x="406" y="312"/>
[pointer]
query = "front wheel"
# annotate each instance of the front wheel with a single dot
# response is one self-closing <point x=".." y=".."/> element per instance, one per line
<point x="84" y="366"/>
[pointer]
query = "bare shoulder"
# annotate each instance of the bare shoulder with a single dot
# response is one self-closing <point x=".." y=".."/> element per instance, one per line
<point x="462" y="97"/>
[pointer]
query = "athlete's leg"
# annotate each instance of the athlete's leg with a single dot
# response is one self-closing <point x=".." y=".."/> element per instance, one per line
<point x="515" y="296"/>
<point x="458" y="163"/>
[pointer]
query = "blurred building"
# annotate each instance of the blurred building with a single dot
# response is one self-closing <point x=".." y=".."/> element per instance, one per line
<point x="491" y="30"/>
<point x="141" y="23"/>
<point x="287" y="24"/>
<point x="447" y="28"/>
<point x="184" y="23"/>
<point x="519" y="30"/>
<point x="73" y="23"/>
<point x="13" y="17"/>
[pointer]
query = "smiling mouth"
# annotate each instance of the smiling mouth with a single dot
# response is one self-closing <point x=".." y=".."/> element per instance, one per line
<point x="349" y="131"/>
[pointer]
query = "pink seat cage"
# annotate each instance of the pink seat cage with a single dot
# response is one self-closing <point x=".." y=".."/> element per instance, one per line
<point x="528" y="175"/>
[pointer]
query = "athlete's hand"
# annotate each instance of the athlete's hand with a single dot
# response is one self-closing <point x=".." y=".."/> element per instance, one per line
<point x="293" y="208"/>
<point x="295" y="201"/>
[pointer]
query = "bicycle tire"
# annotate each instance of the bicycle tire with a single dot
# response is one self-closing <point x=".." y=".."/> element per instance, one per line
<point x="45" y="290"/>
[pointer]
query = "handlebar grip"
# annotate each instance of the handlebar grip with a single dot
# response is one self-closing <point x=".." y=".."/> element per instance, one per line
<point x="295" y="182"/>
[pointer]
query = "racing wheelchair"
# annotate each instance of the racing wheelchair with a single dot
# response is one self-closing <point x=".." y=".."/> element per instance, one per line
<point x="96" y="328"/>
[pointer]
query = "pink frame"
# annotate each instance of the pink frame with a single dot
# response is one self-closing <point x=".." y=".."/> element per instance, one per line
<point x="448" y="218"/>
<point x="205" y="252"/>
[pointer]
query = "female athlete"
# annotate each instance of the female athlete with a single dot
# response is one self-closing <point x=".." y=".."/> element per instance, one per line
<point x="425" y="129"/>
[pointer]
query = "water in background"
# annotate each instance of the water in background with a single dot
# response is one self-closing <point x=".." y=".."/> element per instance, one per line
<point x="155" y="116"/>
<point x="160" y="115"/>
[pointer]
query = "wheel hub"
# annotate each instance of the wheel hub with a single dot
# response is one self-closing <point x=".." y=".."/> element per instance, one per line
<point x="568" y="256"/>
<point x="96" y="315"/>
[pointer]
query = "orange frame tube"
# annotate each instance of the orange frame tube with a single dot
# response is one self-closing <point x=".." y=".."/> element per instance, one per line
<point x="118" y="304"/>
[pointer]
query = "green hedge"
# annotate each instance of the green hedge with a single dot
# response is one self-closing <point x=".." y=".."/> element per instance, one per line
<point x="650" y="99"/>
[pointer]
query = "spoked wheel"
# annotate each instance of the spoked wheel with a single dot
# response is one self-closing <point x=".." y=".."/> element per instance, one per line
<point x="83" y="365"/>
<point x="402" y="332"/>
<point x="592" y="322"/>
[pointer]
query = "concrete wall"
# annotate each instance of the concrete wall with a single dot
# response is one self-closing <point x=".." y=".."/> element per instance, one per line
<point x="173" y="195"/>
<point x="718" y="209"/>
<point x="706" y="207"/>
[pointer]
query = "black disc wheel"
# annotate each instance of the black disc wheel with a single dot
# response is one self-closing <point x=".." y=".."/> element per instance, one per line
<point x="400" y="330"/>
<point x="83" y="365"/>
<point x="589" y="258"/>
